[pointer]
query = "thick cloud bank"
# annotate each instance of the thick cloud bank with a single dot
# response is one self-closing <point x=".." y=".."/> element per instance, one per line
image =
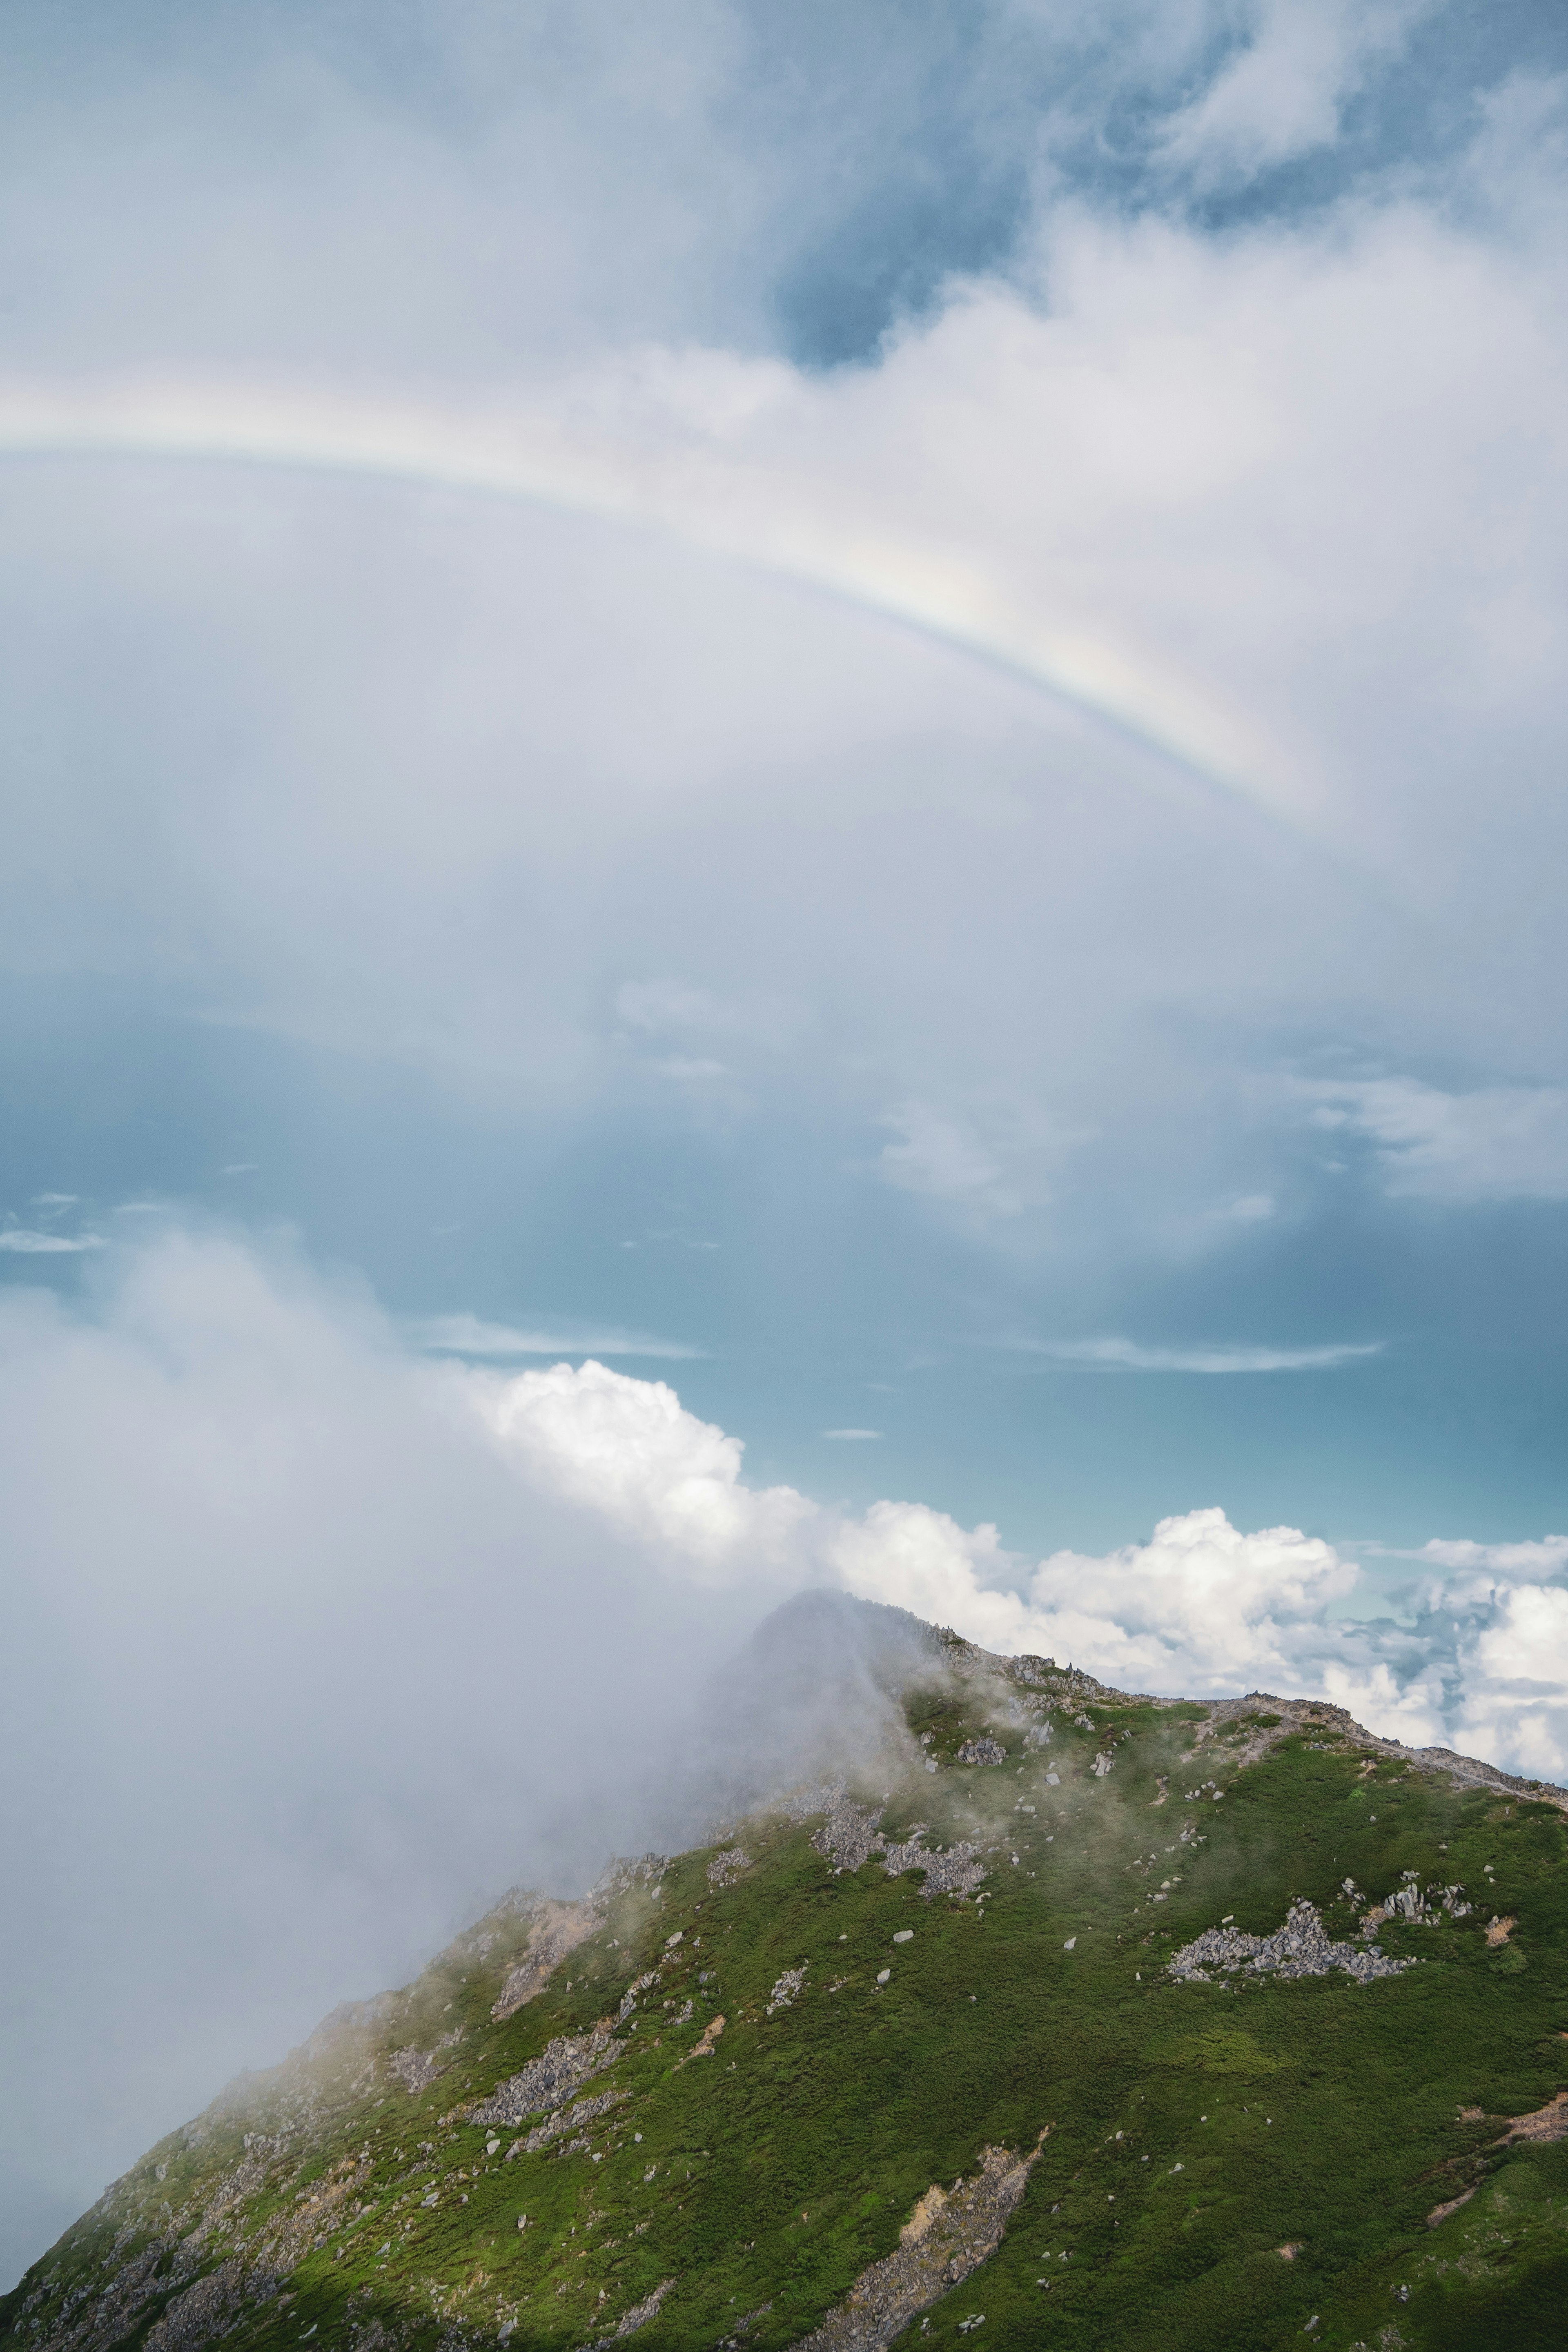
<point x="295" y="1671"/>
<point x="1477" y="1654"/>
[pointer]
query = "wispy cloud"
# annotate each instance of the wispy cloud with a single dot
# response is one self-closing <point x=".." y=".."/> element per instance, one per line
<point x="852" y="1433"/>
<point x="1127" y="1355"/>
<point x="24" y="1241"/>
<point x="1495" y="1143"/>
<point x="468" y="1335"/>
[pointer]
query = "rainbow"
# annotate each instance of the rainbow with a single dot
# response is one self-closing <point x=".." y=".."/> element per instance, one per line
<point x="698" y="492"/>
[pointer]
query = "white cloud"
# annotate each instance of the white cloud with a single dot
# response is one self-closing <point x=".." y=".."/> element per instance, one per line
<point x="24" y="1242"/>
<point x="1494" y="1143"/>
<point x="1203" y="1608"/>
<point x="630" y="1449"/>
<point x="942" y="1157"/>
<point x="688" y="1066"/>
<point x="1516" y="1682"/>
<point x="1543" y="1556"/>
<point x="470" y="1335"/>
<point x="995" y="1160"/>
<point x="1252" y="1208"/>
<point x="1126" y="1354"/>
<point x="1282" y="95"/>
<point x="662" y="1005"/>
<point x="852" y="1433"/>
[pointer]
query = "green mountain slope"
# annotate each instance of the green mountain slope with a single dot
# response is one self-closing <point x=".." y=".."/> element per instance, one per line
<point x="924" y="2051"/>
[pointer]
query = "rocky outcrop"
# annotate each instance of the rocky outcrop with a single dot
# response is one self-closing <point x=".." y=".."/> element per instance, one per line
<point x="948" y="2234"/>
<point x="637" y="2316"/>
<point x="548" y="2080"/>
<point x="1301" y="1947"/>
<point x="850" y="1837"/>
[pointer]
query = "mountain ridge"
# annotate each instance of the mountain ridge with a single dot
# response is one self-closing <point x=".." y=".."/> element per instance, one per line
<point x="721" y="2121"/>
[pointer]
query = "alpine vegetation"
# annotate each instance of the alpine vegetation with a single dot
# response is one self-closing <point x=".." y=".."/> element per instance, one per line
<point x="1038" y="2007"/>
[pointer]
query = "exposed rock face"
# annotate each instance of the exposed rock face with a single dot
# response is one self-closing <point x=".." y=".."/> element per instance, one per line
<point x="1301" y="1947"/>
<point x="560" y="2068"/>
<point x="725" y="1868"/>
<point x="1548" y="2123"/>
<point x="558" y="1929"/>
<point x="947" y="2235"/>
<point x="983" y="1751"/>
<point x="203" y="2310"/>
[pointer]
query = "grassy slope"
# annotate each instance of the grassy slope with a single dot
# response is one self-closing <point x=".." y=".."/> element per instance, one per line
<point x="1194" y="2129"/>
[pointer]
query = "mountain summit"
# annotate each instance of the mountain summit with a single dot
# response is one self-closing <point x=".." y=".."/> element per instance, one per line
<point x="999" y="2001"/>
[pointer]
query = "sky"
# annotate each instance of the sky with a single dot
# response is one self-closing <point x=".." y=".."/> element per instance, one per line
<point x="781" y="807"/>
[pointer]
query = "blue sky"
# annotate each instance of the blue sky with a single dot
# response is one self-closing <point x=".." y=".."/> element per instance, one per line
<point x="783" y="804"/>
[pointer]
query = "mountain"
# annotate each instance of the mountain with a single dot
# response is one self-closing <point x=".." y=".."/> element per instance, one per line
<point x="1034" y="2008"/>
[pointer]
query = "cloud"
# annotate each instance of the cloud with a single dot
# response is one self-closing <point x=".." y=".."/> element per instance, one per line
<point x="628" y="1449"/>
<point x="1282" y="91"/>
<point x="1494" y="1143"/>
<point x="470" y="1335"/>
<point x="1203" y="1608"/>
<point x="994" y="1160"/>
<point x="1251" y="1208"/>
<point x="659" y="1006"/>
<point x="1128" y="1355"/>
<point x="1545" y="1558"/>
<point x="25" y="1241"/>
<point x="1286" y="503"/>
<point x="852" y="1433"/>
<point x="303" y="1662"/>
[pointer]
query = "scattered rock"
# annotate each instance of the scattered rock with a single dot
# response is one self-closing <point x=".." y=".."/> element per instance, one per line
<point x="417" y="2069"/>
<point x="789" y="1985"/>
<point x="725" y="1868"/>
<point x="983" y="1751"/>
<point x="587" y="2111"/>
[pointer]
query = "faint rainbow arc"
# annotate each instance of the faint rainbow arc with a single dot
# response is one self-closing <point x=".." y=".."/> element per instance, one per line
<point x="792" y="528"/>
